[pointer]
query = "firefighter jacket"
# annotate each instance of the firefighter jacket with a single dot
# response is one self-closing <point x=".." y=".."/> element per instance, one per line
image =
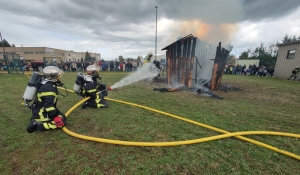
<point x="91" y="89"/>
<point x="45" y="102"/>
<point x="296" y="71"/>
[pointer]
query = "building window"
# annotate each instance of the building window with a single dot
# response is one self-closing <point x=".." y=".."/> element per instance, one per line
<point x="39" y="52"/>
<point x="291" y="54"/>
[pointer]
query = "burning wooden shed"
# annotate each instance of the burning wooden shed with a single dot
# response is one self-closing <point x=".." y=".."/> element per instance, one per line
<point x="193" y="62"/>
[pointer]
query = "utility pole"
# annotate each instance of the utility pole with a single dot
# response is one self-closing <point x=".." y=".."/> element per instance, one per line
<point x="156" y="34"/>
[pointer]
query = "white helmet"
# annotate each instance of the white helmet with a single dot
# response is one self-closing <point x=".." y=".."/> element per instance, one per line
<point x="52" y="73"/>
<point x="93" y="70"/>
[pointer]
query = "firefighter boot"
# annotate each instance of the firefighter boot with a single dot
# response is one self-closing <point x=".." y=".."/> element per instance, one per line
<point x="85" y="104"/>
<point x="32" y="126"/>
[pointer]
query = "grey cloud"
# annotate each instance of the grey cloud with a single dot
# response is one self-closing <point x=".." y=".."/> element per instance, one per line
<point x="121" y="22"/>
<point x="268" y="9"/>
<point x="118" y="12"/>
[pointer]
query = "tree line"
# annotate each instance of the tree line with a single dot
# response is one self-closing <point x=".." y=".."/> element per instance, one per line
<point x="266" y="54"/>
<point x="5" y="43"/>
<point x="121" y="59"/>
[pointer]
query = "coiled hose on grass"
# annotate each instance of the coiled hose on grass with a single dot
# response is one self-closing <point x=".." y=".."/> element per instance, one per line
<point x="176" y="143"/>
<point x="225" y="135"/>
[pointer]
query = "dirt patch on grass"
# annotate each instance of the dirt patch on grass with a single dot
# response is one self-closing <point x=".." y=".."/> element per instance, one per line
<point x="161" y="85"/>
<point x="226" y="88"/>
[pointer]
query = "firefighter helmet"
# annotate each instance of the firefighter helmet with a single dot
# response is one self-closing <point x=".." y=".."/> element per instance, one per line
<point x="93" y="70"/>
<point x="149" y="56"/>
<point x="52" y="73"/>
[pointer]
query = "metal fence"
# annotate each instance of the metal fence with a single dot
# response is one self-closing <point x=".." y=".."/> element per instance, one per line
<point x="13" y="63"/>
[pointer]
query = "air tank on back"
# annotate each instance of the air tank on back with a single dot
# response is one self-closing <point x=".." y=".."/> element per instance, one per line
<point x="32" y="86"/>
<point x="78" y="82"/>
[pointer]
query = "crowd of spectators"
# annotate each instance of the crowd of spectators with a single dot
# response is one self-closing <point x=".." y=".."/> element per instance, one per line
<point x="119" y="66"/>
<point x="72" y="66"/>
<point x="77" y="66"/>
<point x="252" y="69"/>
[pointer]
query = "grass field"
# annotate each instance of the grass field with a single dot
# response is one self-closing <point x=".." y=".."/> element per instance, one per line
<point x="261" y="104"/>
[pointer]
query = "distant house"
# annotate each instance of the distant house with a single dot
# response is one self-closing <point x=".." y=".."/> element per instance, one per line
<point x="288" y="58"/>
<point x="247" y="62"/>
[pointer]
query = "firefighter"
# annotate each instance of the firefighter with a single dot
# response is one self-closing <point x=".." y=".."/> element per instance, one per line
<point x="156" y="63"/>
<point x="148" y="58"/>
<point x="295" y="73"/>
<point x="45" y="114"/>
<point x="91" y="88"/>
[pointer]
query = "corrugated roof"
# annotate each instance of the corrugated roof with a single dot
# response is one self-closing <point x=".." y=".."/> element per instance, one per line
<point x="188" y="36"/>
<point x="283" y="44"/>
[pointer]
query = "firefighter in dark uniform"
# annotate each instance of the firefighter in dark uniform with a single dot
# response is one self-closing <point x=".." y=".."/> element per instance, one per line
<point x="91" y="88"/>
<point x="295" y="73"/>
<point x="45" y="115"/>
<point x="157" y="65"/>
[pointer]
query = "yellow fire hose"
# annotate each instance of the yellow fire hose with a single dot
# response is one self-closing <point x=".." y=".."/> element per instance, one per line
<point x="226" y="135"/>
<point x="176" y="143"/>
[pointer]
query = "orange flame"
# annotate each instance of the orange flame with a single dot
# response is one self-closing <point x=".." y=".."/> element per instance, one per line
<point x="211" y="33"/>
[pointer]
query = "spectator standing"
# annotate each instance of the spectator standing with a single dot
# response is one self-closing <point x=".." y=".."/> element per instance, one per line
<point x="121" y="66"/>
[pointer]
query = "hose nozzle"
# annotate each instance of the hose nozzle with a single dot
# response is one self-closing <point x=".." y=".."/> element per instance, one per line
<point x="108" y="88"/>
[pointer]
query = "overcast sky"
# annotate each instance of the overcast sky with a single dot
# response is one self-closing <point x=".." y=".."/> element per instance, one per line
<point x="127" y="27"/>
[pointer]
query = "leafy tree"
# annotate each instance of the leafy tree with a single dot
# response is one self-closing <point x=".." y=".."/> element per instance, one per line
<point x="12" y="45"/>
<point x="121" y="59"/>
<point x="231" y="60"/>
<point x="139" y="58"/>
<point x="129" y="59"/>
<point x="267" y="56"/>
<point x="88" y="57"/>
<point x="294" y="39"/>
<point x="287" y="39"/>
<point x="87" y="54"/>
<point x="245" y="55"/>
<point x="273" y="49"/>
<point x="4" y="43"/>
<point x="267" y="60"/>
<point x="259" y="50"/>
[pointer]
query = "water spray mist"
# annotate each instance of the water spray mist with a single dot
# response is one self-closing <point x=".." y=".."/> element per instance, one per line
<point x="147" y="71"/>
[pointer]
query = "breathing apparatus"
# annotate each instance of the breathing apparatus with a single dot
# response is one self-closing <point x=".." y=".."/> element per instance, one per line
<point x="32" y="87"/>
<point x="79" y="82"/>
<point x="50" y="73"/>
<point x="92" y="75"/>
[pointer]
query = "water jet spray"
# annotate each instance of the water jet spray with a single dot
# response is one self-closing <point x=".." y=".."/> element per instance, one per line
<point x="148" y="71"/>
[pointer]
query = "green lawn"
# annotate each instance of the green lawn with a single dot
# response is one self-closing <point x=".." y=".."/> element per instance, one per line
<point x="261" y="104"/>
